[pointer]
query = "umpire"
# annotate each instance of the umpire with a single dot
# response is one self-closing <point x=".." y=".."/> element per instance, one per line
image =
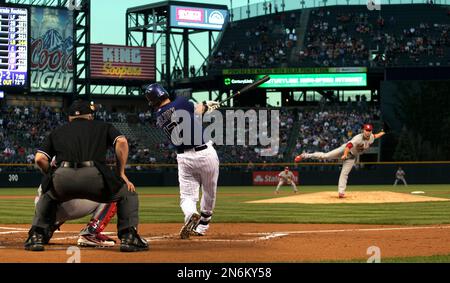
<point x="80" y="149"/>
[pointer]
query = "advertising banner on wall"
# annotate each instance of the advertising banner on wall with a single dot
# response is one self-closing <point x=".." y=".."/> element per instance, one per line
<point x="51" y="50"/>
<point x="123" y="62"/>
<point x="299" y="80"/>
<point x="269" y="178"/>
<point x="198" y="18"/>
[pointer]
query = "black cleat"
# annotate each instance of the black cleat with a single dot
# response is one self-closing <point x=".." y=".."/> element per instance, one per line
<point x="35" y="242"/>
<point x="130" y="241"/>
<point x="52" y="230"/>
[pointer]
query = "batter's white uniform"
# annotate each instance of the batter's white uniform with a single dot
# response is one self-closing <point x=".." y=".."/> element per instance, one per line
<point x="198" y="169"/>
<point x="198" y="164"/>
<point x="400" y="175"/>
<point x="286" y="178"/>
<point x="360" y="145"/>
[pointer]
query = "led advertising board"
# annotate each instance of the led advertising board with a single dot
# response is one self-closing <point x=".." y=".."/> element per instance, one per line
<point x="198" y="18"/>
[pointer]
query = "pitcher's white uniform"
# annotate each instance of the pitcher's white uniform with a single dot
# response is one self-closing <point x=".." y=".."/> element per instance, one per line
<point x="358" y="145"/>
<point x="286" y="177"/>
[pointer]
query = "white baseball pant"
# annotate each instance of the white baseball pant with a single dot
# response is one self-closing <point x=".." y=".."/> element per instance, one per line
<point x="292" y="183"/>
<point x="198" y="169"/>
<point x="401" y="179"/>
<point x="347" y="165"/>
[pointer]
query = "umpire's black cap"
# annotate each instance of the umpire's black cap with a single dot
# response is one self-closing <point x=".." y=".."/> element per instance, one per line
<point x="81" y="107"/>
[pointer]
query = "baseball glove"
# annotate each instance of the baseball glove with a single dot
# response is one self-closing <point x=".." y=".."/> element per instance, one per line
<point x="386" y="128"/>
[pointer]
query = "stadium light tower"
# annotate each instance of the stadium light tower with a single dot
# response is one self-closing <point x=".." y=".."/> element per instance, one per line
<point x="171" y="23"/>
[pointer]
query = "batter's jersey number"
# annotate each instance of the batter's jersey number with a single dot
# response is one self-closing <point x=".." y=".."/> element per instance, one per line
<point x="168" y="131"/>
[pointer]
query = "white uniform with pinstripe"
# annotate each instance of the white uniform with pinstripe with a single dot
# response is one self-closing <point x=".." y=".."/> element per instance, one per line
<point x="198" y="169"/>
<point x="198" y="164"/>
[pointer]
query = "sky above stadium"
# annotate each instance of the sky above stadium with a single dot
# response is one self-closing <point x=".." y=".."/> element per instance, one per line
<point x="108" y="23"/>
<point x="109" y="15"/>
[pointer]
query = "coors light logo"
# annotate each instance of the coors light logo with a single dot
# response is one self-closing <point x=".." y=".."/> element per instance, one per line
<point x="51" y="51"/>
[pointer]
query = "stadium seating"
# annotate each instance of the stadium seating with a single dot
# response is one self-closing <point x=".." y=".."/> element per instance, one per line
<point x="340" y="36"/>
<point x="323" y="130"/>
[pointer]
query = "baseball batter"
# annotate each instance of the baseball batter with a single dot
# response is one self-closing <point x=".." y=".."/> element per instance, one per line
<point x="347" y="153"/>
<point x="286" y="177"/>
<point x="400" y="176"/>
<point x="198" y="163"/>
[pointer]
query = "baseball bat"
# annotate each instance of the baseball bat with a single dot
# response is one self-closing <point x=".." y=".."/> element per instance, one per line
<point x="247" y="88"/>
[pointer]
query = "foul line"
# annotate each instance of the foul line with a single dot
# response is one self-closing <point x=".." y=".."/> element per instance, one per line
<point x="279" y="234"/>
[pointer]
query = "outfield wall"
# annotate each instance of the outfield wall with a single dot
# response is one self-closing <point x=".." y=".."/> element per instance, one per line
<point x="308" y="175"/>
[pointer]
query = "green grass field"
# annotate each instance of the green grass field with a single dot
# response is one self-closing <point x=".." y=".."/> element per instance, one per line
<point x="159" y="205"/>
<point x="232" y="207"/>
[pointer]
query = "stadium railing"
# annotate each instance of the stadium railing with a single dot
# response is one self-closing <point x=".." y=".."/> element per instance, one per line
<point x="258" y="9"/>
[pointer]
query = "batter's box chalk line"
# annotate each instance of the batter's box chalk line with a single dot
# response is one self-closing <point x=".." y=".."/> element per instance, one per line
<point x="14" y="228"/>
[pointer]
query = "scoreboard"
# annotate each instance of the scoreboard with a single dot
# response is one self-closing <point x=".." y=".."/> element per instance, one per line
<point x="13" y="47"/>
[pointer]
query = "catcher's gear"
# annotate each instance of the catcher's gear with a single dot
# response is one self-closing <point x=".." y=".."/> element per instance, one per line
<point x="96" y="240"/>
<point x="103" y="215"/>
<point x="155" y="94"/>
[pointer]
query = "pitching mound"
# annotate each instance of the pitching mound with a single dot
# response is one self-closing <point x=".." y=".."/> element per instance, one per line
<point x="351" y="197"/>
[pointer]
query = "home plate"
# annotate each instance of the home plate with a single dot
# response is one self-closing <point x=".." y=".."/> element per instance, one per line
<point x="350" y="197"/>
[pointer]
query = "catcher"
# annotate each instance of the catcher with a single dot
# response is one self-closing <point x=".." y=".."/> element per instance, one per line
<point x="91" y="235"/>
<point x="286" y="177"/>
